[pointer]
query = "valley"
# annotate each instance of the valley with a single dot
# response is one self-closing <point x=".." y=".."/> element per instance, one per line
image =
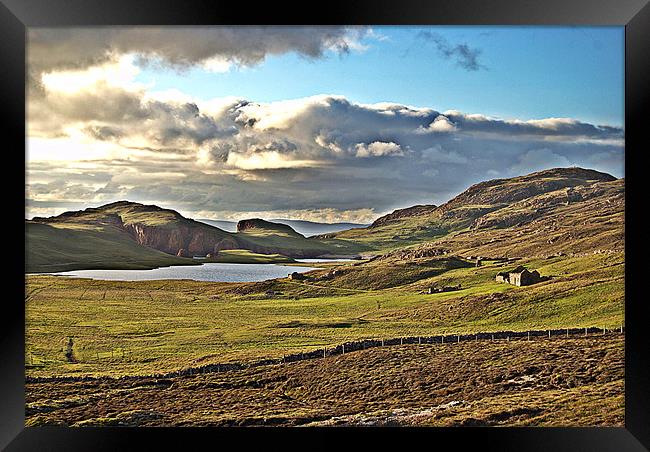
<point x="423" y="271"/>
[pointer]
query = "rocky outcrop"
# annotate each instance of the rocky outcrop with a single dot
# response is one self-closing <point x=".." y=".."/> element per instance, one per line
<point x="194" y="240"/>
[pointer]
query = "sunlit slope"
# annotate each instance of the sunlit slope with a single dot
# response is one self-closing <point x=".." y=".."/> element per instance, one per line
<point x="132" y="235"/>
<point x="495" y="203"/>
<point x="267" y="237"/>
<point x="64" y="246"/>
<point x="222" y="322"/>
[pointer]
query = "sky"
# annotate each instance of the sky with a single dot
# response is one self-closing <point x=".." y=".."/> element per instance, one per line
<point x="316" y="123"/>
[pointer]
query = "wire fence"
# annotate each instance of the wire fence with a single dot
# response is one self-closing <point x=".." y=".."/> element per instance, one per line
<point x="355" y="346"/>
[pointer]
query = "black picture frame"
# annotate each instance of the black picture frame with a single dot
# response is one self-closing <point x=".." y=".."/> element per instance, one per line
<point x="17" y="15"/>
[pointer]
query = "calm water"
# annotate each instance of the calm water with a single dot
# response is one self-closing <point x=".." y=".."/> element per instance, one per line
<point x="207" y="272"/>
<point x="324" y="260"/>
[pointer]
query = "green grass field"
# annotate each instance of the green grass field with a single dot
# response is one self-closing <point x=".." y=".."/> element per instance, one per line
<point x="121" y="328"/>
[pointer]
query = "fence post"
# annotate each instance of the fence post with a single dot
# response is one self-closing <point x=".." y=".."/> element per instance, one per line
<point x="458" y="337"/>
<point x="549" y="334"/>
<point x="401" y="341"/>
<point x="324" y="350"/>
<point x="585" y="331"/>
<point x="621" y="329"/>
<point x="492" y="337"/>
<point x="382" y="342"/>
<point x="567" y="332"/>
<point x="419" y="340"/>
<point x="442" y="339"/>
<point x="529" y="335"/>
<point x="343" y="348"/>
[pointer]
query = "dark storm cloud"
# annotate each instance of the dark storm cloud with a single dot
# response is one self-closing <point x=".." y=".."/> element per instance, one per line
<point x="181" y="47"/>
<point x="116" y="113"/>
<point x="465" y="56"/>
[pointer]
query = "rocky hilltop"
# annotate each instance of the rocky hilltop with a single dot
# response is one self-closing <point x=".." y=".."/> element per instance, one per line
<point x="573" y="221"/>
<point x="507" y="191"/>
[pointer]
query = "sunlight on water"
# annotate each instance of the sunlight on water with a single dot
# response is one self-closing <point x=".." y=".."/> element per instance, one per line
<point x="217" y="272"/>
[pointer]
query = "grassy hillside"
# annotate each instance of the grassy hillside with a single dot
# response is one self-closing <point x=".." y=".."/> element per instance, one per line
<point x="166" y="325"/>
<point x="248" y="257"/>
<point x="263" y="235"/>
<point x="567" y="224"/>
<point x="504" y="199"/>
<point x="62" y="247"/>
<point x="125" y="235"/>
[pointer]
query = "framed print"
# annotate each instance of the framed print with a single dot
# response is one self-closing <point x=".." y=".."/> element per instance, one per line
<point x="413" y="216"/>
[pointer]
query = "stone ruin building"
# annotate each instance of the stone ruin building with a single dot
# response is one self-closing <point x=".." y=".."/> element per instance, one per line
<point x="520" y="276"/>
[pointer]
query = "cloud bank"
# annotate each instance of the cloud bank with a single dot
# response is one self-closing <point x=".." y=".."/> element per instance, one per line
<point x="96" y="135"/>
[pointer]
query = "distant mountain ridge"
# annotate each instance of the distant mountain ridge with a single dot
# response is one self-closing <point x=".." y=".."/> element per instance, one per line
<point x="306" y="228"/>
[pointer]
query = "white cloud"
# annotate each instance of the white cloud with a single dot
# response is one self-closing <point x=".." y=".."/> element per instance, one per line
<point x="215" y="48"/>
<point x="378" y="149"/>
<point x="326" y="157"/>
<point x="217" y="64"/>
<point x="266" y="160"/>
<point x="441" y="124"/>
<point x="119" y="72"/>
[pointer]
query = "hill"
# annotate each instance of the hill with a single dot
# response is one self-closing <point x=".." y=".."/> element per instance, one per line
<point x="75" y="246"/>
<point x="131" y="235"/>
<point x="504" y="202"/>
<point x="561" y="210"/>
<point x="567" y="224"/>
<point x="267" y="237"/>
<point x="306" y="228"/>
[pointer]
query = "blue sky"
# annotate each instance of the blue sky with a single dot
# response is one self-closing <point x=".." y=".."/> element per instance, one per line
<point x="527" y="73"/>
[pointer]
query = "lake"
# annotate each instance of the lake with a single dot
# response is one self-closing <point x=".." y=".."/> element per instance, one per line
<point x="324" y="260"/>
<point x="211" y="271"/>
